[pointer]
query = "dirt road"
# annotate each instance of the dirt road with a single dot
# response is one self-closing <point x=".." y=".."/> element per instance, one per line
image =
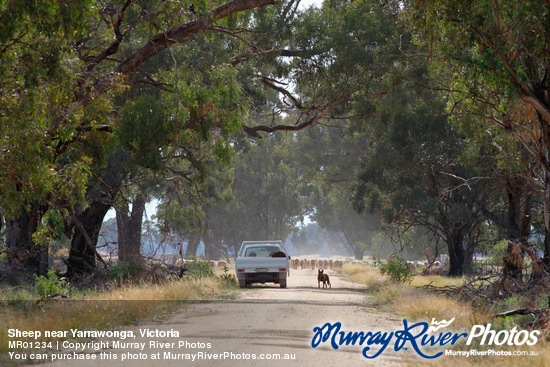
<point x="262" y="321"/>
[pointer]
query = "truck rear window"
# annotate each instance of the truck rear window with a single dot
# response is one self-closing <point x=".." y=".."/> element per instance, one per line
<point x="261" y="251"/>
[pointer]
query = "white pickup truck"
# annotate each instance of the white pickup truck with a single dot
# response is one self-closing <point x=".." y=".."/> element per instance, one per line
<point x="262" y="262"/>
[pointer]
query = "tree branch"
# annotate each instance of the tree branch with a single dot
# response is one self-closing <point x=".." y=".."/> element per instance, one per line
<point x="160" y="42"/>
<point x="486" y="212"/>
<point x="321" y="112"/>
<point x="110" y="50"/>
<point x="281" y="90"/>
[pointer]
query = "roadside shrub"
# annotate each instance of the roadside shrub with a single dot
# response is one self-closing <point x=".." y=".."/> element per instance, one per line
<point x="396" y="268"/>
<point x="200" y="269"/>
<point x="124" y="271"/>
<point x="387" y="294"/>
<point x="50" y="284"/>
<point x="227" y="278"/>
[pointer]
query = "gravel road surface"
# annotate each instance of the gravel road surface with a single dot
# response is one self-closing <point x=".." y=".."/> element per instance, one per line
<point x="263" y="321"/>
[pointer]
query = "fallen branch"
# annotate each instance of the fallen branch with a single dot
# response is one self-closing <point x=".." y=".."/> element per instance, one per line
<point x="521" y="311"/>
<point x="51" y="296"/>
<point x="474" y="289"/>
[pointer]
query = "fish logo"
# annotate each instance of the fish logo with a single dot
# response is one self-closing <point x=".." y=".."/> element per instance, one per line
<point x="439" y="325"/>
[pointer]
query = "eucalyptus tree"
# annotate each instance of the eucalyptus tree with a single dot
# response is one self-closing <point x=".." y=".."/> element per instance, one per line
<point x="192" y="207"/>
<point x="258" y="197"/>
<point x="408" y="174"/>
<point x="330" y="158"/>
<point x="318" y="76"/>
<point x="65" y="71"/>
<point x="496" y="53"/>
<point x="269" y="188"/>
<point x="37" y="76"/>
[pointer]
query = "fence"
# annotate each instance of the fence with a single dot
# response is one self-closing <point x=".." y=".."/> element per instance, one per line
<point x="487" y="266"/>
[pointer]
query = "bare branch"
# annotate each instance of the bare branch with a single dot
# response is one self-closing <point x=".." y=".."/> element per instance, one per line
<point x="280" y="51"/>
<point x="319" y="112"/>
<point x="110" y="50"/>
<point x="521" y="311"/>
<point x="294" y="100"/>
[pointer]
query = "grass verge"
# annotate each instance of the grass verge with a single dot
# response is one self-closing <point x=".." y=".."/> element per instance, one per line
<point x="104" y="310"/>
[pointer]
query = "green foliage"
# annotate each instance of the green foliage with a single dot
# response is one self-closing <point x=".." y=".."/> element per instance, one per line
<point x="227" y="278"/>
<point x="143" y="129"/>
<point x="268" y="188"/>
<point x="124" y="271"/>
<point x="178" y="112"/>
<point x="37" y="73"/>
<point x="498" y="252"/>
<point x="488" y="37"/>
<point x="50" y="229"/>
<point x="491" y="56"/>
<point x="199" y="268"/>
<point x="396" y="268"/>
<point x="50" y="284"/>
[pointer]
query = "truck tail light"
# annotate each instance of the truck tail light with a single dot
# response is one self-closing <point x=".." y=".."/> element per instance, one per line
<point x="282" y="269"/>
<point x="240" y="270"/>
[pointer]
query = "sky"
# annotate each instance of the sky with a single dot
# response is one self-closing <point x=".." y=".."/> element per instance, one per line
<point x="306" y="3"/>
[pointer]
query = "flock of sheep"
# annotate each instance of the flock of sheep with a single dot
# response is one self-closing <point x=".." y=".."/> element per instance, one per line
<point x="439" y="264"/>
<point x="297" y="263"/>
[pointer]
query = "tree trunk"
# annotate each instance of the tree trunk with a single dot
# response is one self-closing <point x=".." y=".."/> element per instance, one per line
<point x="358" y="252"/>
<point x="546" y="258"/>
<point x="218" y="243"/>
<point x="211" y="248"/>
<point x="87" y="223"/>
<point x="24" y="256"/>
<point x="456" y="257"/>
<point x="469" y="246"/>
<point x="82" y="257"/>
<point x="460" y="253"/>
<point x="193" y="244"/>
<point x="129" y="231"/>
<point x="519" y="207"/>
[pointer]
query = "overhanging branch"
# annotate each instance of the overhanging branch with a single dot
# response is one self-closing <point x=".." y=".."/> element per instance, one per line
<point x="283" y="91"/>
<point x="160" y="42"/>
<point x="253" y="131"/>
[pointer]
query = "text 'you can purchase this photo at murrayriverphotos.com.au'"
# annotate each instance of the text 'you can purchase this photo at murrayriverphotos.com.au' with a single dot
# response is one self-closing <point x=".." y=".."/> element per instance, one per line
<point x="120" y="346"/>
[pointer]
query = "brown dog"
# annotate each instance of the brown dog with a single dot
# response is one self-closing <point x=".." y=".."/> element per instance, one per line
<point x="323" y="278"/>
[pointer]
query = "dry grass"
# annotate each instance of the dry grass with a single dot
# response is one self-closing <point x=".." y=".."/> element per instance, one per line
<point x="184" y="290"/>
<point x="412" y="303"/>
<point x="436" y="280"/>
<point x="111" y="309"/>
<point x="363" y="274"/>
<point x="418" y="304"/>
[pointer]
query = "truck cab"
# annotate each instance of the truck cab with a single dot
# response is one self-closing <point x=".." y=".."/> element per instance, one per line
<point x="262" y="262"/>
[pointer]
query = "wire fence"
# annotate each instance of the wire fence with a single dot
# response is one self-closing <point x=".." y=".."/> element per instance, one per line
<point x="490" y="266"/>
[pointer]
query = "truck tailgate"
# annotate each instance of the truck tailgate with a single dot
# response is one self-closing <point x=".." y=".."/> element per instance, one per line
<point x="259" y="264"/>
